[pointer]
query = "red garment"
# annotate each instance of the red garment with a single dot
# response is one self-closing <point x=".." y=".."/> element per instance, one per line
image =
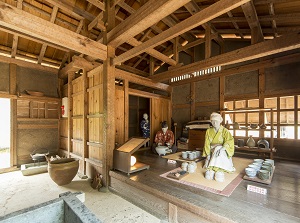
<point x="162" y="138"/>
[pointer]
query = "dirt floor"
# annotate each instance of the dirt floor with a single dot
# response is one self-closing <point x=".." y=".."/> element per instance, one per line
<point x="19" y="192"/>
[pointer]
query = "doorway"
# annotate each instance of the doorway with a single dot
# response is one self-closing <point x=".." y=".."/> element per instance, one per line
<point x="4" y="133"/>
<point x="137" y="107"/>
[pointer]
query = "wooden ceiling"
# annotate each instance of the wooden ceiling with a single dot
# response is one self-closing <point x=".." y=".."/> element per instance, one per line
<point x="146" y="34"/>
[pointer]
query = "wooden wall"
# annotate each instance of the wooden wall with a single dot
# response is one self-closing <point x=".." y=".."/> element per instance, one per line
<point x="84" y="127"/>
<point x="277" y="76"/>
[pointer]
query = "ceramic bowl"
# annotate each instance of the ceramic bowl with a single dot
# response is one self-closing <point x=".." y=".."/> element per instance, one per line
<point x="270" y="161"/>
<point x="161" y="150"/>
<point x="250" y="172"/>
<point x="258" y="160"/>
<point x="256" y="167"/>
<point x="266" y="167"/>
<point x="219" y="176"/>
<point x="263" y="174"/>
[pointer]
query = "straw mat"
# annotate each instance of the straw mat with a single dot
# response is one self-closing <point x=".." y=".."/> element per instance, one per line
<point x="197" y="179"/>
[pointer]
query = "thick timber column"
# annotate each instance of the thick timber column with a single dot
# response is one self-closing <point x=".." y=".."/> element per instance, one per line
<point x="109" y="97"/>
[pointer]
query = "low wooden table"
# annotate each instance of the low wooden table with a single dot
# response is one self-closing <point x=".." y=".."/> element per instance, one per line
<point x="257" y="150"/>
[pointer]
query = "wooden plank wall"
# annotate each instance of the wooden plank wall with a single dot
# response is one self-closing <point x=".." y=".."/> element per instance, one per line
<point x="77" y="121"/>
<point x="95" y="117"/>
<point x="120" y="115"/>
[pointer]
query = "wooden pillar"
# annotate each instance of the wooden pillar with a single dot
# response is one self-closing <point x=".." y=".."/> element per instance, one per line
<point x="207" y="42"/>
<point x="71" y="77"/>
<point x="261" y="97"/>
<point x="172" y="213"/>
<point x="192" y="102"/>
<point x="13" y="112"/>
<point x="222" y="93"/>
<point x="151" y="66"/>
<point x="85" y="120"/>
<point x="126" y="109"/>
<point x="175" y="50"/>
<point x="109" y="98"/>
<point x="109" y="111"/>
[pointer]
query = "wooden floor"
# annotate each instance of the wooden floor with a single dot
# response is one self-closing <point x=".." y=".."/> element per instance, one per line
<point x="281" y="204"/>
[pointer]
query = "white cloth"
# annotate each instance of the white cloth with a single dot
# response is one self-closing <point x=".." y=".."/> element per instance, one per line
<point x="220" y="159"/>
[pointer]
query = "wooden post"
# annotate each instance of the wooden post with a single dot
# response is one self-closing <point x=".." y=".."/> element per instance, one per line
<point x="126" y="109"/>
<point x="192" y="101"/>
<point x="85" y="120"/>
<point x="172" y="213"/>
<point x="13" y="111"/>
<point x="261" y="97"/>
<point x="71" y="77"/>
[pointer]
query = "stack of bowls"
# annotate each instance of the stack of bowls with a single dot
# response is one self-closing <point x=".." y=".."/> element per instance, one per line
<point x="262" y="168"/>
<point x="263" y="174"/>
<point x="250" y="172"/>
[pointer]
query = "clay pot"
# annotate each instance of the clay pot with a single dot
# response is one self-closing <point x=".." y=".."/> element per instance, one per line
<point x="250" y="142"/>
<point x="62" y="171"/>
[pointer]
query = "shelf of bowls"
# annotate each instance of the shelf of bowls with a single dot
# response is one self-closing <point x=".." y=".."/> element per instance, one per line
<point x="261" y="169"/>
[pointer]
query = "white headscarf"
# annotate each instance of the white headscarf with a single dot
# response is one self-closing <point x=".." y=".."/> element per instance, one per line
<point x="216" y="116"/>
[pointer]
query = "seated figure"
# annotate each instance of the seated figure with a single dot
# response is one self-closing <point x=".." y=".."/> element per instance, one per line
<point x="218" y="149"/>
<point x="164" y="137"/>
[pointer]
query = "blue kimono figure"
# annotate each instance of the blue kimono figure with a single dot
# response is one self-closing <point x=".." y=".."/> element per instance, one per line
<point x="145" y="126"/>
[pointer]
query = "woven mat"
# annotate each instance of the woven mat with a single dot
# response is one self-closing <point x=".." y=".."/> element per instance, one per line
<point x="197" y="179"/>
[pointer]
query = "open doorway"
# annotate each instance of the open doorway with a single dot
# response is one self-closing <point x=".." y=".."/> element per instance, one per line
<point x="4" y="133"/>
<point x="137" y="107"/>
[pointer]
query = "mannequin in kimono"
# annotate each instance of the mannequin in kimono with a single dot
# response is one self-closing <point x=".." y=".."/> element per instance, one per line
<point x="145" y="126"/>
<point x="218" y="147"/>
<point x="164" y="137"/>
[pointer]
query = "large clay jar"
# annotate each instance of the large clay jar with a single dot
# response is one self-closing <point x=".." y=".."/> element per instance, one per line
<point x="62" y="171"/>
<point x="251" y="142"/>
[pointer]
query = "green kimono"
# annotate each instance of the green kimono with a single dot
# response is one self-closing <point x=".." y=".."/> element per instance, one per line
<point x="222" y="137"/>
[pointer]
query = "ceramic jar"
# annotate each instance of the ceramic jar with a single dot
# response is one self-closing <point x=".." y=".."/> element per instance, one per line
<point x="184" y="166"/>
<point x="251" y="142"/>
<point x="62" y="171"/>
<point x="191" y="168"/>
<point x="236" y="125"/>
<point x="209" y="174"/>
<point x="263" y="143"/>
<point x="240" y="142"/>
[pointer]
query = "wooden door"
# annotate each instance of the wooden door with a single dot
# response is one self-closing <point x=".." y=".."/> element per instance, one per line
<point x="160" y="111"/>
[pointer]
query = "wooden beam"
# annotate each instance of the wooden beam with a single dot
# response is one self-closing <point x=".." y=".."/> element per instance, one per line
<point x="255" y="51"/>
<point x="251" y="16"/>
<point x="77" y="64"/>
<point x="133" y="70"/>
<point x="22" y="63"/>
<point x="153" y="52"/>
<point x="98" y="4"/>
<point x="16" y="37"/>
<point x="146" y="16"/>
<point x="72" y="10"/>
<point x="199" y="18"/>
<point x="141" y="80"/>
<point x="44" y="46"/>
<point x="26" y="23"/>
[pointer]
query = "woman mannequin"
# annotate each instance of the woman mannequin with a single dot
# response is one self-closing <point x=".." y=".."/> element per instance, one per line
<point x="218" y="147"/>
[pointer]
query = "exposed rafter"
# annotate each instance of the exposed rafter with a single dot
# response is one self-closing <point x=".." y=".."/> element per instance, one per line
<point x="146" y="16"/>
<point x="255" y="51"/>
<point x="199" y="18"/>
<point x="38" y="28"/>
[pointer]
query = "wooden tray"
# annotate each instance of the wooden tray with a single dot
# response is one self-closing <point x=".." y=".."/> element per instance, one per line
<point x="172" y="175"/>
<point x="256" y="179"/>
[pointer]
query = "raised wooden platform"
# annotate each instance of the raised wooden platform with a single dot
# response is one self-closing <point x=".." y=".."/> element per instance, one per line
<point x="175" y="202"/>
